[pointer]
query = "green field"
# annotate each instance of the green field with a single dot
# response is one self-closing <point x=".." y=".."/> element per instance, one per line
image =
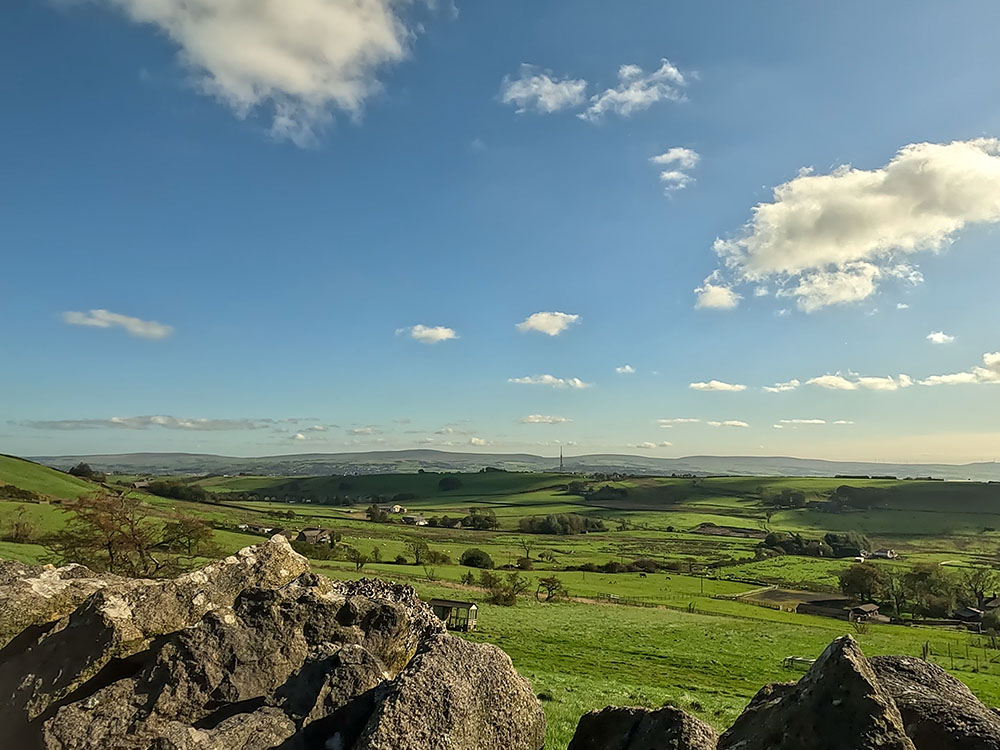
<point x="687" y="639"/>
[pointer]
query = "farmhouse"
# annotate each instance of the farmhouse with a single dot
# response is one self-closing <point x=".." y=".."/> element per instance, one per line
<point x="456" y="614"/>
<point x="395" y="508"/>
<point x="885" y="554"/>
<point x="413" y="520"/>
<point x="314" y="535"/>
<point x="863" y="612"/>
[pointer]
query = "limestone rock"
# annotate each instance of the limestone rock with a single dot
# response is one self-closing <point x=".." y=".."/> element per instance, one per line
<point x="121" y="619"/>
<point x="456" y="695"/>
<point x="838" y="703"/>
<point x="36" y="595"/>
<point x="667" y="728"/>
<point x="939" y="712"/>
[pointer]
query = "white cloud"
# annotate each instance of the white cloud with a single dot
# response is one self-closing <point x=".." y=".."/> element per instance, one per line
<point x="712" y="296"/>
<point x="143" y="329"/>
<point x="902" y="306"/>
<point x="299" y="436"/>
<point x="477" y="441"/>
<point x="429" y="334"/>
<point x="665" y="423"/>
<point x="544" y="419"/>
<point x="989" y="372"/>
<point x="537" y="90"/>
<point x="551" y="323"/>
<point x="679" y="156"/>
<point x="717" y="385"/>
<point x="680" y="161"/>
<point x="366" y="430"/>
<point x="298" y="61"/>
<point x="844" y="421"/>
<point x="832" y="239"/>
<point x="728" y="423"/>
<point x="802" y="421"/>
<point x="636" y="91"/>
<point x="789" y="385"/>
<point x="650" y="446"/>
<point x="833" y="383"/>
<point x="550" y="380"/>
<point x="872" y="383"/>
<point x="940" y="337"/>
<point x="625" y="370"/>
<point x="143" y="422"/>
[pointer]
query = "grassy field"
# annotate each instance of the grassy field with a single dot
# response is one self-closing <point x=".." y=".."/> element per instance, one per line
<point x="689" y="640"/>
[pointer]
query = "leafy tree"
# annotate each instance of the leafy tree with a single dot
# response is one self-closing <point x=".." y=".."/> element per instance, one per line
<point x="503" y="590"/>
<point x="576" y="488"/>
<point x="469" y="578"/>
<point x="863" y="581"/>
<point x="527" y="544"/>
<point x="897" y="591"/>
<point x="932" y="590"/>
<point x="19" y="528"/>
<point x="178" y="491"/>
<point x="446" y="484"/>
<point x="977" y="583"/>
<point x="376" y="554"/>
<point x="436" y="557"/>
<point x="189" y="536"/>
<point x="482" y="520"/>
<point x="553" y="588"/>
<point x="114" y="534"/>
<point x="476" y="558"/>
<point x="376" y="514"/>
<point x="85" y="471"/>
<point x="358" y="558"/>
<point x="525" y="563"/>
<point x="419" y="549"/>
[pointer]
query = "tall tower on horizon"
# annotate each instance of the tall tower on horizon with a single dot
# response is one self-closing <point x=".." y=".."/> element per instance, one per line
<point x="562" y="466"/>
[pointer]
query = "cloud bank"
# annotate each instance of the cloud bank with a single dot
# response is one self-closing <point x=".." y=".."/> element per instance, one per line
<point x="832" y="239"/>
<point x="550" y="380"/>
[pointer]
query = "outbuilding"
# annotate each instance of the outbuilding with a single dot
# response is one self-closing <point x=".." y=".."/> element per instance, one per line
<point x="455" y="614"/>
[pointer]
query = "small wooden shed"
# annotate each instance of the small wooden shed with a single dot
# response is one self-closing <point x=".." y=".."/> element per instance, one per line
<point x="457" y="615"/>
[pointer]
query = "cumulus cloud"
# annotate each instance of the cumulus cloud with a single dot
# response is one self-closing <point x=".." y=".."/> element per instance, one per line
<point x="428" y="334"/>
<point x="940" y="337"/>
<point x="831" y="239"/>
<point x="637" y="90"/>
<point x="665" y="423"/>
<point x="988" y="372"/>
<point x="788" y="385"/>
<point x="625" y="370"/>
<point x="717" y="385"/>
<point x="143" y="329"/>
<point x="728" y="423"/>
<point x="144" y="422"/>
<point x="802" y="421"/>
<point x="477" y="441"/>
<point x="648" y="446"/>
<point x="873" y="383"/>
<point x="550" y="380"/>
<point x="544" y="419"/>
<point x="679" y="161"/>
<point x="299" y="62"/>
<point x="539" y="91"/>
<point x="714" y="296"/>
<point x="551" y="323"/>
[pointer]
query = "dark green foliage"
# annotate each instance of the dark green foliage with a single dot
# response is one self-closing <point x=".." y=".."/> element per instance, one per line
<point x="502" y="590"/>
<point x="84" y="471"/>
<point x="376" y="514"/>
<point x="10" y="492"/>
<point x="446" y="484"/>
<point x="863" y="581"/>
<point x="476" y="558"/>
<point x="482" y="520"/>
<point x="178" y="491"/>
<point x="562" y="524"/>
<point x="525" y="563"/>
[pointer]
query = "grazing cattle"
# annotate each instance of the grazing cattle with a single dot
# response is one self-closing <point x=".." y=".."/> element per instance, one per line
<point x="642" y="575"/>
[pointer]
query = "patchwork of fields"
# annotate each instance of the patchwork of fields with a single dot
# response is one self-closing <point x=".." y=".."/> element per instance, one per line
<point x="693" y="641"/>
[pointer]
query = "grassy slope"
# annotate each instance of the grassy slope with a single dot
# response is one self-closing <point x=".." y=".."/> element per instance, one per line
<point x="41" y="479"/>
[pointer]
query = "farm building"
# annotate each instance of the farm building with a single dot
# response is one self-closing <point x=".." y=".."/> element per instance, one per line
<point x="412" y="520"/>
<point x="457" y="615"/>
<point x="969" y="614"/>
<point x="863" y="612"/>
<point x="395" y="508"/>
<point x="885" y="554"/>
<point x="315" y="536"/>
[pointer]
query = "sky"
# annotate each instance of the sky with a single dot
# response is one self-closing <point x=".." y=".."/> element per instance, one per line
<point x="656" y="228"/>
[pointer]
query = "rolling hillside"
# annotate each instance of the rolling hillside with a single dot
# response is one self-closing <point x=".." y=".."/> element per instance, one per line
<point x="41" y="479"/>
<point x="387" y="462"/>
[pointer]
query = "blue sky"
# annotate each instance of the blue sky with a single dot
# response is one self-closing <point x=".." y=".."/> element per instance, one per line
<point x="316" y="225"/>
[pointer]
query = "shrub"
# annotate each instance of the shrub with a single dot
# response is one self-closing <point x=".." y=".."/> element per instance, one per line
<point x="476" y="558"/>
<point x="525" y="563"/>
<point x="178" y="491"/>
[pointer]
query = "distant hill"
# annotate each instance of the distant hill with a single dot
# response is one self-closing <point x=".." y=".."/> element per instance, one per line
<point x="372" y="462"/>
<point x="41" y="479"/>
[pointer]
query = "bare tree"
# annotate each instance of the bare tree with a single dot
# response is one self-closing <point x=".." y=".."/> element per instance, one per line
<point x="527" y="544"/>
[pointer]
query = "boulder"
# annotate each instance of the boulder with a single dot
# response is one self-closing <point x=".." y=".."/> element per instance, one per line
<point x="36" y="595"/>
<point x="838" y="703"/>
<point x="456" y="695"/>
<point x="667" y="728"/>
<point x="939" y="712"/>
<point x="121" y="619"/>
